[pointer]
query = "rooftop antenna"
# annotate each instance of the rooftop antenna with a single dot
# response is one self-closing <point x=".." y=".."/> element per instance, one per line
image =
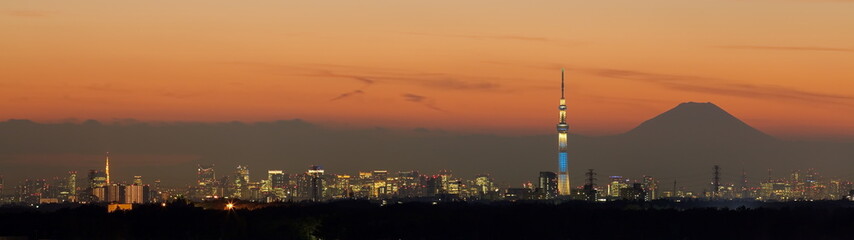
<point x="561" y="83"/>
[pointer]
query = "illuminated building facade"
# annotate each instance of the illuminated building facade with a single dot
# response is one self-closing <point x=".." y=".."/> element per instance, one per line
<point x="134" y="194"/>
<point x="107" y="169"/>
<point x="97" y="179"/>
<point x="206" y="181"/>
<point x="547" y="185"/>
<point x="616" y="184"/>
<point x="241" y="182"/>
<point x="276" y="183"/>
<point x="316" y="186"/>
<point x="562" y="129"/>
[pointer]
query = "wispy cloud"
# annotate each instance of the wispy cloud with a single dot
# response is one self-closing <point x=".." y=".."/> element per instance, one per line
<point x="371" y="76"/>
<point x="723" y="87"/>
<point x="348" y="94"/>
<point x="413" y="98"/>
<point x="427" y="102"/>
<point x="787" y="48"/>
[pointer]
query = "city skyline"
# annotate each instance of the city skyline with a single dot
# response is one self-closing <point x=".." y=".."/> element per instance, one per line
<point x="316" y="184"/>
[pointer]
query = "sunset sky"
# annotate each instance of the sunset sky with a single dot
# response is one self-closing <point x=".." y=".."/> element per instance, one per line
<point x="785" y="67"/>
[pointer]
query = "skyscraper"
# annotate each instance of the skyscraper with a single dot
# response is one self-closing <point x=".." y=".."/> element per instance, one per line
<point x="134" y="194"/>
<point x="315" y="174"/>
<point x="562" y="128"/>
<point x="206" y="179"/>
<point x="547" y="185"/>
<point x="277" y="180"/>
<point x="107" y="169"/>
<point x="97" y="179"/>
<point x="241" y="182"/>
<point x="71" y="182"/>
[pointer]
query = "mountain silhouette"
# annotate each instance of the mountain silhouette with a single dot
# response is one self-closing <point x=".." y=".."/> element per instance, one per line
<point x="692" y="121"/>
<point x="687" y="141"/>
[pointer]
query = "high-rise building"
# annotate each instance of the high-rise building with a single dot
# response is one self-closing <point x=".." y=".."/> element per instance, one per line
<point x="617" y="183"/>
<point x="114" y="193"/>
<point x="71" y="183"/>
<point x="206" y="180"/>
<point x="562" y="129"/>
<point x="67" y="188"/>
<point x="315" y="174"/>
<point x="277" y="181"/>
<point x="241" y="182"/>
<point x="107" y="169"/>
<point x="444" y="181"/>
<point x="650" y="188"/>
<point x="97" y="179"/>
<point x="484" y="185"/>
<point x="134" y="194"/>
<point x="137" y="180"/>
<point x="547" y="185"/>
<point x="340" y="186"/>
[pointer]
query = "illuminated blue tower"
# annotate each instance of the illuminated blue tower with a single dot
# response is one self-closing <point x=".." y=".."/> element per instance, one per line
<point x="563" y="186"/>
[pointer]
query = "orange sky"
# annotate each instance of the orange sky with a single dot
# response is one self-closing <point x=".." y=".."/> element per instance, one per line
<point x="783" y="66"/>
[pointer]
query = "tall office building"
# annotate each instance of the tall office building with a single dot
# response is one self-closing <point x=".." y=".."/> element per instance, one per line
<point x="241" y="182"/>
<point x="484" y="185"/>
<point x="277" y="180"/>
<point x="616" y="184"/>
<point x="315" y="174"/>
<point x="547" y="185"/>
<point x="137" y="180"/>
<point x="107" y="169"/>
<point x="650" y="188"/>
<point x="97" y="179"/>
<point x="134" y="194"/>
<point x="562" y="129"/>
<point x="71" y="182"/>
<point x="206" y="180"/>
<point x="114" y="193"/>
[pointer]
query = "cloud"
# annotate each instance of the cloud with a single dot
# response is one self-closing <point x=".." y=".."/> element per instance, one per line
<point x="28" y="13"/>
<point x="722" y="87"/>
<point x="348" y="94"/>
<point x="413" y="98"/>
<point x="370" y="76"/>
<point x="787" y="48"/>
<point x="363" y="79"/>
<point x="427" y="102"/>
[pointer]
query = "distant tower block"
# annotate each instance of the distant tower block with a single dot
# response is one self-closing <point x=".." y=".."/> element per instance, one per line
<point x="563" y="185"/>
<point x="107" y="169"/>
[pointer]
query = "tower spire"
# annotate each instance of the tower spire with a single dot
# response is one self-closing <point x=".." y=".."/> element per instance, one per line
<point x="561" y="84"/>
<point x="107" y="169"/>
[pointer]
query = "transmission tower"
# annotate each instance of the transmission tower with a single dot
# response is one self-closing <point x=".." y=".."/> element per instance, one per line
<point x="674" y="188"/>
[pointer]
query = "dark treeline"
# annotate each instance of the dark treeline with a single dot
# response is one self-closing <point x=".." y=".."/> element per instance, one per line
<point x="498" y="220"/>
